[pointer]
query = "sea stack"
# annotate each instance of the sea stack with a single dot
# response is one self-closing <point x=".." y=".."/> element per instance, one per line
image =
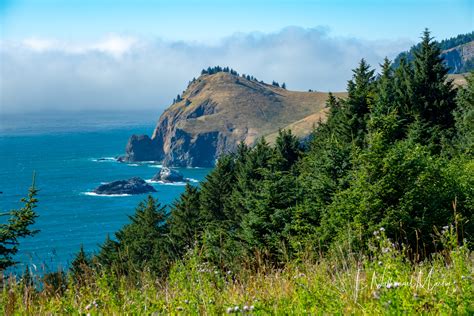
<point x="133" y="185"/>
<point x="168" y="175"/>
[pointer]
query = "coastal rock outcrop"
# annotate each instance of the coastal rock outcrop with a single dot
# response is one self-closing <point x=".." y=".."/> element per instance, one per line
<point x="168" y="175"/>
<point x="217" y="112"/>
<point x="133" y="185"/>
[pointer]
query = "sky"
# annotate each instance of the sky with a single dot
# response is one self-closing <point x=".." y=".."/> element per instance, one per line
<point x="119" y="55"/>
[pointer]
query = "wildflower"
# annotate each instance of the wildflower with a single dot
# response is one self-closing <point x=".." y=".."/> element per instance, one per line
<point x="179" y="308"/>
<point x="246" y="308"/>
<point x="301" y="275"/>
<point x="252" y="307"/>
<point x="385" y="250"/>
<point x="211" y="301"/>
<point x="375" y="295"/>
<point x="389" y="285"/>
<point x="376" y="233"/>
<point x="396" y="284"/>
<point x="380" y="263"/>
<point x="186" y="301"/>
<point x="445" y="227"/>
<point x="236" y="309"/>
<point x="88" y="307"/>
<point x="229" y="272"/>
<point x="229" y="310"/>
<point x="382" y="229"/>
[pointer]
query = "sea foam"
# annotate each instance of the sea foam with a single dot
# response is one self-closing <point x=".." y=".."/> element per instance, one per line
<point x="105" y="195"/>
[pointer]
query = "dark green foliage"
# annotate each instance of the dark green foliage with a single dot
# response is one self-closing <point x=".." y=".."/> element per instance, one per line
<point x="216" y="69"/>
<point x="396" y="153"/>
<point x="360" y="98"/>
<point x="433" y="95"/>
<point x="184" y="222"/>
<point x="18" y="226"/>
<point x="143" y="243"/>
<point x="80" y="266"/>
<point x="215" y="192"/>
<point x="464" y="116"/>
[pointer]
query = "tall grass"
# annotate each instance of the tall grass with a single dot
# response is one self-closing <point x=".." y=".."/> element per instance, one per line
<point x="381" y="281"/>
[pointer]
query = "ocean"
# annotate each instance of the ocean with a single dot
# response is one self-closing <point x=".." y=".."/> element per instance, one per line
<point x="71" y="154"/>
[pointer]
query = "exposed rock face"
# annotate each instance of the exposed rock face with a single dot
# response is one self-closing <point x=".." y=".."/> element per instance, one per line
<point x="168" y="175"/>
<point x="133" y="185"/>
<point x="217" y="112"/>
<point x="460" y="59"/>
<point x="142" y="148"/>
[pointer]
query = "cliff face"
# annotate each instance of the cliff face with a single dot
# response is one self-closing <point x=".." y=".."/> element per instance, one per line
<point x="218" y="111"/>
<point x="460" y="59"/>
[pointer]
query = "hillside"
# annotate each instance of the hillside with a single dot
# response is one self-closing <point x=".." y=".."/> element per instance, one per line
<point x="458" y="53"/>
<point x="217" y="111"/>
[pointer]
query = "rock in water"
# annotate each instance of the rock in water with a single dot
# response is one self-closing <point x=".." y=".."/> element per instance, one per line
<point x="168" y="175"/>
<point x="133" y="185"/>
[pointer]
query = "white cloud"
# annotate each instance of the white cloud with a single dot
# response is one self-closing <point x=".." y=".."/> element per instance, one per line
<point x="123" y="72"/>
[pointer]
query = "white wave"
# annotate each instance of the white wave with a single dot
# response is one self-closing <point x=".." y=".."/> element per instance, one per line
<point x="105" y="159"/>
<point x="192" y="180"/>
<point x="155" y="166"/>
<point x="133" y="165"/>
<point x="106" y="195"/>
<point x="165" y="183"/>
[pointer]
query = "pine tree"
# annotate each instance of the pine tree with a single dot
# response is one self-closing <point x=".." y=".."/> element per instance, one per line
<point x="384" y="115"/>
<point x="360" y="99"/>
<point x="287" y="151"/>
<point x="80" y="266"/>
<point x="143" y="243"/>
<point x="18" y="226"/>
<point x="433" y="94"/>
<point x="184" y="222"/>
<point x="216" y="190"/>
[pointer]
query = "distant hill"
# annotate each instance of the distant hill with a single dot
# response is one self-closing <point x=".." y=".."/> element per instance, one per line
<point x="220" y="109"/>
<point x="458" y="53"/>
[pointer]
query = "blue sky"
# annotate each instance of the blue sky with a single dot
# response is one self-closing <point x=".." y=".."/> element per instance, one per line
<point x="116" y="54"/>
<point x="212" y="19"/>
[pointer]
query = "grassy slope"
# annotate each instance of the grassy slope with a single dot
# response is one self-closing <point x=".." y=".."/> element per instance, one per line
<point x="382" y="282"/>
<point x="458" y="79"/>
<point x="249" y="108"/>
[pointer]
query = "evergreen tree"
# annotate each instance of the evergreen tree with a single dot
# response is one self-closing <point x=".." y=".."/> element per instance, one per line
<point x="143" y="243"/>
<point x="80" y="266"/>
<point x="17" y="226"/>
<point x="216" y="190"/>
<point x="184" y="222"/>
<point x="287" y="151"/>
<point x="433" y="94"/>
<point x="360" y="99"/>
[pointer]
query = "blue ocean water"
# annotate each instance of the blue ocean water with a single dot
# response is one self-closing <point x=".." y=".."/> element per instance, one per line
<point x="65" y="154"/>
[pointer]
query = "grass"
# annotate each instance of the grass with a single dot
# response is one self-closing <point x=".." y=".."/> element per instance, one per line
<point x="382" y="281"/>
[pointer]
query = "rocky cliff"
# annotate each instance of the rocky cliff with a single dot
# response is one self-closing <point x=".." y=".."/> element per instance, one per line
<point x="216" y="112"/>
